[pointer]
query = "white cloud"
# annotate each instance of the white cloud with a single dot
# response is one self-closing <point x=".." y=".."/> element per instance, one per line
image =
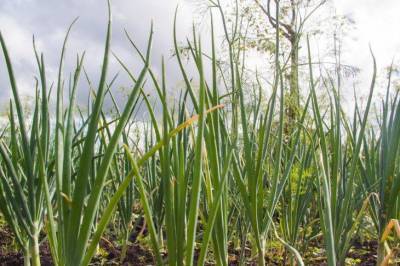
<point x="49" y="20"/>
<point x="377" y="23"/>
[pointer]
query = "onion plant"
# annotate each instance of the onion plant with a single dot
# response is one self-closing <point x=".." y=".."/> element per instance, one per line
<point x="340" y="190"/>
<point x="380" y="167"/>
<point x="23" y="181"/>
<point x="214" y="169"/>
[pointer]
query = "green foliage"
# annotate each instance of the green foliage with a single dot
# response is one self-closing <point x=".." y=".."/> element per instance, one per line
<point x="210" y="171"/>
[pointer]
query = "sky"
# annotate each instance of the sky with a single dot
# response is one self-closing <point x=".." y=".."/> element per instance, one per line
<point x="376" y="25"/>
<point x="48" y="20"/>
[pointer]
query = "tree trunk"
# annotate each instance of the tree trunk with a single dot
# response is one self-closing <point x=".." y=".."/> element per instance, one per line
<point x="294" y="79"/>
<point x="293" y="99"/>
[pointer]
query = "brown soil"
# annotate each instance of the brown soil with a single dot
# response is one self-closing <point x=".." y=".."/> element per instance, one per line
<point x="10" y="257"/>
<point x="363" y="252"/>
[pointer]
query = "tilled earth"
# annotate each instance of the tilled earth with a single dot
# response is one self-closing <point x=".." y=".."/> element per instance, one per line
<point x="362" y="253"/>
